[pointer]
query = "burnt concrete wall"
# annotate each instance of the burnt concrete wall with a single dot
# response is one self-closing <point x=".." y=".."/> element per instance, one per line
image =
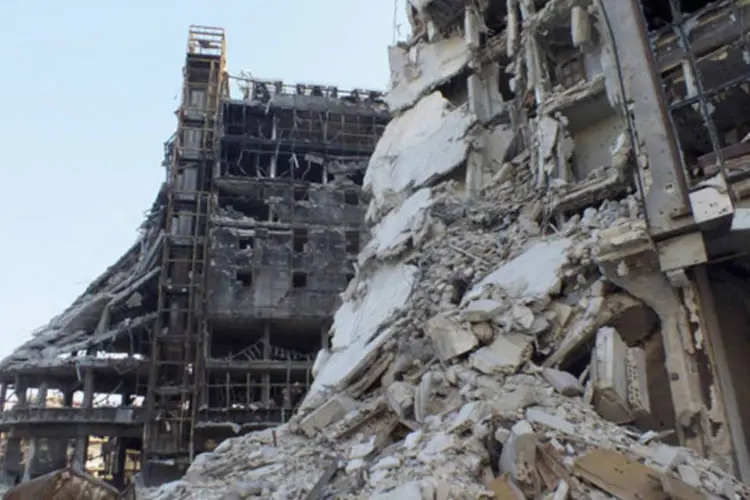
<point x="282" y="250"/>
<point x="282" y="201"/>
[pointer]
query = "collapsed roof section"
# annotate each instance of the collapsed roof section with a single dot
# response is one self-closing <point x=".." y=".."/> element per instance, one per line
<point x="105" y="315"/>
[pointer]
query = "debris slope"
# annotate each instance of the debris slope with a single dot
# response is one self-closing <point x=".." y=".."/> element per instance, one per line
<point x="483" y="349"/>
<point x="446" y="395"/>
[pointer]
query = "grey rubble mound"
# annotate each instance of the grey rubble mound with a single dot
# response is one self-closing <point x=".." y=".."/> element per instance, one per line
<point x="438" y="418"/>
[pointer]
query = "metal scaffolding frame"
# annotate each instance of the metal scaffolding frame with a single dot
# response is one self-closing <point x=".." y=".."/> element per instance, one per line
<point x="181" y="329"/>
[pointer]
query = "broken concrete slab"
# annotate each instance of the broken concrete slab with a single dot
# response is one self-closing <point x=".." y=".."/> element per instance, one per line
<point x="533" y="275"/>
<point x="421" y="68"/>
<point x="504" y="355"/>
<point x="416" y="148"/>
<point x="357" y="332"/>
<point x="328" y="413"/>
<point x="481" y="310"/>
<point x="451" y="339"/>
<point x="638" y="395"/>
<point x="398" y="229"/>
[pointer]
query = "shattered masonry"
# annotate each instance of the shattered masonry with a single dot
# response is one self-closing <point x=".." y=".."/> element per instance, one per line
<point x="534" y="315"/>
<point x="208" y="326"/>
<point x="552" y="300"/>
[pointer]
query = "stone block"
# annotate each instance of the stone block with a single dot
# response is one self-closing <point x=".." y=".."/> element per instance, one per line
<point x="609" y="375"/>
<point x="505" y="355"/>
<point x="451" y="339"/>
<point x="518" y="458"/>
<point x="327" y="413"/>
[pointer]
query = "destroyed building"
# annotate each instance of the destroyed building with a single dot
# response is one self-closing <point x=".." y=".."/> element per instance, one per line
<point x="207" y="327"/>
<point x="553" y="299"/>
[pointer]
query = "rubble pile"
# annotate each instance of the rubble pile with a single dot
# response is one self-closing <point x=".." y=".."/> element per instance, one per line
<point x="451" y="395"/>
<point x="487" y="347"/>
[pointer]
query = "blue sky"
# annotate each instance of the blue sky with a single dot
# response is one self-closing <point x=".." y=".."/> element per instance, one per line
<point x="89" y="92"/>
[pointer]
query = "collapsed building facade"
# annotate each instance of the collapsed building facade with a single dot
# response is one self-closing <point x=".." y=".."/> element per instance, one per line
<point x="208" y="325"/>
<point x="552" y="302"/>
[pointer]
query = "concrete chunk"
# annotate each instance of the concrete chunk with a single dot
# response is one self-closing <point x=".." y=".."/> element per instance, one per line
<point x="518" y="458"/>
<point x="481" y="310"/>
<point x="563" y="382"/>
<point x="609" y="375"/>
<point x="505" y="355"/>
<point x="470" y="414"/>
<point x="400" y="397"/>
<point x="362" y="450"/>
<point x="539" y="416"/>
<point x="330" y="411"/>
<point x="533" y="275"/>
<point x="451" y="340"/>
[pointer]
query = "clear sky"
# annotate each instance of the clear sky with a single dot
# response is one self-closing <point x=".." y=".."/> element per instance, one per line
<point x="89" y="89"/>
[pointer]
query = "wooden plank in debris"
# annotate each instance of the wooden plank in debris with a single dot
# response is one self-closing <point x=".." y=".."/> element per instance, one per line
<point x="619" y="476"/>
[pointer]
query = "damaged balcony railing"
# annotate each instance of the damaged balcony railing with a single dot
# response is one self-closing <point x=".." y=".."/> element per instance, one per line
<point x="689" y="109"/>
<point x="254" y="89"/>
<point x="72" y="416"/>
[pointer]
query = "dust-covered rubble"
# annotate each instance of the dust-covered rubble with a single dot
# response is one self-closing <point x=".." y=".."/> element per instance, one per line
<point x="487" y="347"/>
<point x="463" y="407"/>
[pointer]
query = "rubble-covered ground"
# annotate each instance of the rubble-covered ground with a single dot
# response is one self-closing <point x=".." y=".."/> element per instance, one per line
<point x="484" y="349"/>
<point x="455" y="403"/>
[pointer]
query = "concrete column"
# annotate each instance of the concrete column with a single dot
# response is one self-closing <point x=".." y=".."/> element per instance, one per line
<point x="11" y="465"/>
<point x="266" y="377"/>
<point x="119" y="474"/>
<point x="267" y="341"/>
<point x="58" y="453"/>
<point x="3" y="396"/>
<point x="68" y="398"/>
<point x="82" y="443"/>
<point x="32" y="459"/>
<point x="58" y="448"/>
<point x="727" y="394"/>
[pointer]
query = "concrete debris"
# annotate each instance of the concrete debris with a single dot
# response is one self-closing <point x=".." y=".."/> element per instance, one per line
<point x="451" y="339"/>
<point x="513" y="360"/>
<point x="481" y="310"/>
<point x="563" y="382"/>
<point x="504" y="355"/>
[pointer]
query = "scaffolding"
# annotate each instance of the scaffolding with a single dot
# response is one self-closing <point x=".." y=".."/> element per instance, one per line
<point x="181" y="330"/>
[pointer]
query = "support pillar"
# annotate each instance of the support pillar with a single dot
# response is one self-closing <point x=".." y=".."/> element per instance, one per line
<point x="727" y="394"/>
<point x="58" y="448"/>
<point x="32" y="460"/>
<point x="3" y="396"/>
<point x="11" y="466"/>
<point x="266" y="378"/>
<point x="118" y="478"/>
<point x="82" y="443"/>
